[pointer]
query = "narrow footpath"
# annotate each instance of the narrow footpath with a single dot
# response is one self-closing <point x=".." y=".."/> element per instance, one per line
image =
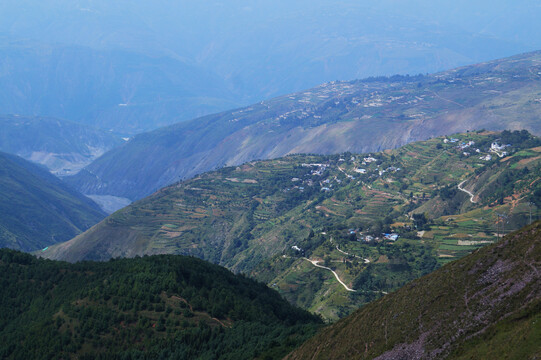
<point x="366" y="261"/>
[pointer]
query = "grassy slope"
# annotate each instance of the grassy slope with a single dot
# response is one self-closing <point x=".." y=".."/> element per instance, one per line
<point x="358" y="116"/>
<point x="37" y="209"/>
<point x="247" y="218"/>
<point x="486" y="305"/>
<point x="167" y="307"/>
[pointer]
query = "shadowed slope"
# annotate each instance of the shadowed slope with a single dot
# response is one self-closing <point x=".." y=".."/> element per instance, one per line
<point x="37" y="209"/>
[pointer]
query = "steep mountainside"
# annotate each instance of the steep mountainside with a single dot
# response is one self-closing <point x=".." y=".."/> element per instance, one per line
<point x="37" y="209"/>
<point x="64" y="147"/>
<point x="160" y="307"/>
<point x="251" y="218"/>
<point x="359" y="116"/>
<point x="484" y="306"/>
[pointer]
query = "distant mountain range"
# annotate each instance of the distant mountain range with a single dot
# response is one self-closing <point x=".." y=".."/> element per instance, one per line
<point x="135" y="66"/>
<point x="37" y="209"/>
<point x="484" y="306"/>
<point x="359" y="116"/>
<point x="64" y="147"/>
<point x="251" y="218"/>
<point x="115" y="90"/>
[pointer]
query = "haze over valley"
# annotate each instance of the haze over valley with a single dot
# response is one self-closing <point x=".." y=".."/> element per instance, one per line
<point x="134" y="66"/>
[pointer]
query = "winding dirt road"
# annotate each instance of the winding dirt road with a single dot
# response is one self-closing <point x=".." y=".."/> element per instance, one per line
<point x="316" y="263"/>
<point x="466" y="191"/>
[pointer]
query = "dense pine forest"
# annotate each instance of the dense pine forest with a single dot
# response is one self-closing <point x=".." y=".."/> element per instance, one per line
<point x="150" y="307"/>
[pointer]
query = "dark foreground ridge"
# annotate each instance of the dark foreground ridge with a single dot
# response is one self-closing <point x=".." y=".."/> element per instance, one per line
<point x="167" y="307"/>
<point x="484" y="306"/>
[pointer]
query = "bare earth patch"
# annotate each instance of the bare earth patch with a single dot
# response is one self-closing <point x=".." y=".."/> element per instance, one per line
<point x="171" y="234"/>
<point x="527" y="161"/>
<point x="472" y="242"/>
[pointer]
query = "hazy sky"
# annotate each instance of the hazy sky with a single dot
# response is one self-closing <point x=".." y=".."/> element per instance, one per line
<point x="186" y="26"/>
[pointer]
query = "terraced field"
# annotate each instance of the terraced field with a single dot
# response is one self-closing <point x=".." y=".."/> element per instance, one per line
<point x="250" y="216"/>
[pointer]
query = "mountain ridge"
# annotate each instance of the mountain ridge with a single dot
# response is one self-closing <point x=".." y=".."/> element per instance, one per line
<point x="169" y="307"/>
<point x="114" y="90"/>
<point x="333" y="41"/>
<point x="358" y="116"/>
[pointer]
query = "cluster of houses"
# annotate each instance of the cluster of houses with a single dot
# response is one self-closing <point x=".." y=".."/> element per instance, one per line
<point x="498" y="149"/>
<point x="380" y="172"/>
<point x="486" y="157"/>
<point x="369" y="238"/>
<point x="326" y="185"/>
<point x="318" y="171"/>
<point x="319" y="168"/>
<point x="365" y="238"/>
<point x="377" y="99"/>
<point x="368" y="160"/>
<point x="323" y="92"/>
<point x="462" y="146"/>
<point x="495" y="148"/>
<point x="299" y="187"/>
<point x="390" y="169"/>
<point x="307" y="98"/>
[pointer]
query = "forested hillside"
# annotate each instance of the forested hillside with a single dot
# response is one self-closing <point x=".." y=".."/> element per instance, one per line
<point x="167" y="307"/>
